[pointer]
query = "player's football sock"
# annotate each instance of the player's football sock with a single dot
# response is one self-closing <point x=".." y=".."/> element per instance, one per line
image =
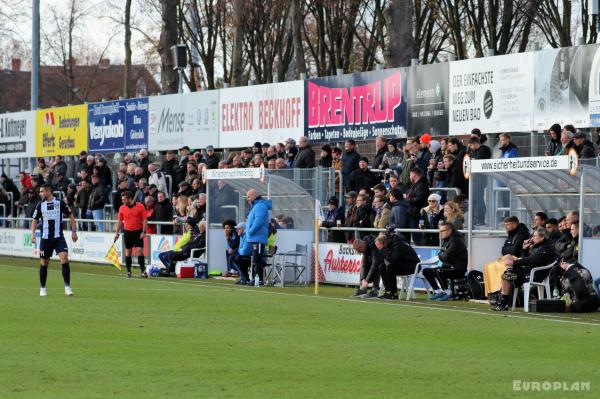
<point x="66" y="272"/>
<point x="43" y="275"/>
<point x="142" y="263"/>
<point x="128" y="264"/>
<point x="505" y="299"/>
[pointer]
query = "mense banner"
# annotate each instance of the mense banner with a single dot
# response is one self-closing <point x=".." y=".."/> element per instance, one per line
<point x="17" y="135"/>
<point x="118" y="125"/>
<point x="61" y="131"/>
<point x="267" y="113"/>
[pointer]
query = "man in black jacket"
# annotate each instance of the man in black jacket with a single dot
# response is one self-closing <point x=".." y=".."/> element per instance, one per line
<point x="477" y="150"/>
<point x="197" y="241"/>
<point x="537" y="251"/>
<point x="517" y="234"/>
<point x="454" y="257"/>
<point x="397" y="258"/>
<point x="350" y="159"/>
<point x="579" y="289"/>
<point x="381" y="147"/>
<point x="163" y="212"/>
<point x="96" y="203"/>
<point x="169" y="165"/>
<point x="306" y="155"/>
<point x="457" y="149"/>
<point x="585" y="149"/>
<point x="212" y="159"/>
<point x="416" y="196"/>
<point x="369" y="267"/>
<point x="362" y="177"/>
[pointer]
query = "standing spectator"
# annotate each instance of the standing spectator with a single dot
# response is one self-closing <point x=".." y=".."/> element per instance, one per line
<point x="280" y="150"/>
<point x="142" y="191"/>
<point x="457" y="149"/>
<point x="265" y="149"/>
<point x="201" y="207"/>
<point x="416" y="196"/>
<point x="118" y="193"/>
<point x="507" y="148"/>
<point x="143" y="162"/>
<point x="478" y="151"/>
<point x="41" y="169"/>
<point x="399" y="211"/>
<point x="212" y="159"/>
<point x="435" y="162"/>
<point x="257" y="229"/>
<point x="25" y="179"/>
<point x="566" y="142"/>
<point x="392" y="159"/>
<point x="247" y="156"/>
<point x="334" y="218"/>
<point x="280" y="163"/>
<point x="409" y="162"/>
<point x="57" y="166"/>
<point x="337" y="165"/>
<point x="60" y="183"/>
<point x="271" y="154"/>
<point x="97" y="202"/>
<point x="82" y="200"/>
<point x="10" y="187"/>
<point x="169" y="165"/>
<point x="258" y="161"/>
<point x="364" y="214"/>
<point x="350" y="160"/>
<point x="453" y="214"/>
<point x="326" y="158"/>
<point x="585" y="149"/>
<point x="362" y="177"/>
<point x="157" y="177"/>
<point x="350" y="215"/>
<point x="306" y="155"/>
<point x="291" y="156"/>
<point x="81" y="164"/>
<point x="382" y="212"/>
<point x="431" y="216"/>
<point x="553" y="144"/>
<point x="423" y="154"/>
<point x="380" y="150"/>
<point x="105" y="175"/>
<point x="150" y="216"/>
<point x="257" y="148"/>
<point x="163" y="212"/>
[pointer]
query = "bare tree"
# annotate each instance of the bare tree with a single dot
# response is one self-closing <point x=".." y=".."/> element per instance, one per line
<point x="297" y="22"/>
<point x="168" y="38"/>
<point x="401" y="46"/>
<point x="554" y="21"/>
<point x="127" y="74"/>
<point x="429" y="34"/>
<point x="239" y="25"/>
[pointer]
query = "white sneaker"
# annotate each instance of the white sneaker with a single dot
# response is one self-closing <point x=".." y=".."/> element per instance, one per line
<point x="43" y="292"/>
<point x="68" y="291"/>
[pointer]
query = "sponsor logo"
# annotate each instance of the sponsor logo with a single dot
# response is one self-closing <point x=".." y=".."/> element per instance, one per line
<point x="49" y="130"/>
<point x="13" y="128"/>
<point x="170" y="121"/>
<point x="107" y="130"/>
<point x="340" y="264"/>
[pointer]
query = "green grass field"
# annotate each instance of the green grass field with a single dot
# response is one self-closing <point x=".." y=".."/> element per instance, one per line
<point x="155" y="338"/>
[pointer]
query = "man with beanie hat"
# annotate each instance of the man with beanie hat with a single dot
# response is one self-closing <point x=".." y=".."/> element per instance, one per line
<point x="423" y="156"/>
<point x="362" y="177"/>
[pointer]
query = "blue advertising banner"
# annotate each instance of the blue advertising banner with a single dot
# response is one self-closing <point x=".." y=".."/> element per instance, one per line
<point x="358" y="106"/>
<point x="115" y="126"/>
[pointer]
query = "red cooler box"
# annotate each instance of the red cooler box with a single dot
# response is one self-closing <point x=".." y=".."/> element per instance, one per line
<point x="185" y="269"/>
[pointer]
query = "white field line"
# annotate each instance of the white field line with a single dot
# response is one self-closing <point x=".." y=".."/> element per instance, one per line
<point x="422" y="305"/>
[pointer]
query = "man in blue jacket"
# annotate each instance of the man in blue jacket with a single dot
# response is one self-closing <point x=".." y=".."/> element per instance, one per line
<point x="257" y="229"/>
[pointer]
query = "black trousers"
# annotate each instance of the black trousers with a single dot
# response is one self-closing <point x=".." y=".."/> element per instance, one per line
<point x="389" y="272"/>
<point x="370" y="268"/>
<point x="243" y="263"/>
<point x="442" y="275"/>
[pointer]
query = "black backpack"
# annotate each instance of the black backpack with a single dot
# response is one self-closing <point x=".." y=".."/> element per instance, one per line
<point x="475" y="284"/>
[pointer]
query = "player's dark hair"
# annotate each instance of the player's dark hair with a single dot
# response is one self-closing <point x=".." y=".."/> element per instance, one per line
<point x="229" y="222"/>
<point x="127" y="194"/>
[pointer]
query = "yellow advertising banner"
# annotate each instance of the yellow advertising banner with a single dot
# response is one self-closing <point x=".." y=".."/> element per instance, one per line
<point x="61" y="131"/>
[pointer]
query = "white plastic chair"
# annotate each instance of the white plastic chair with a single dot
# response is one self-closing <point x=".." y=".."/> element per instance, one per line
<point x="545" y="284"/>
<point x="410" y="292"/>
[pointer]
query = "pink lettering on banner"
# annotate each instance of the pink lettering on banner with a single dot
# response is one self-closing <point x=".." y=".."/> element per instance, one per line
<point x="237" y="116"/>
<point x="372" y="103"/>
<point x="279" y="113"/>
<point x="341" y="264"/>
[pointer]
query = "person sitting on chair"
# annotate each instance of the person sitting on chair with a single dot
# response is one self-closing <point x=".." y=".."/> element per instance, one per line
<point x="240" y="258"/>
<point x="537" y="251"/>
<point x="454" y="257"/>
<point x="197" y="240"/>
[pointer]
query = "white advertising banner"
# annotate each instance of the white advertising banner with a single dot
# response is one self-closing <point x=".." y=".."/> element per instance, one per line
<point x="241" y="173"/>
<point x="166" y="122"/>
<point x="494" y="94"/>
<point x="563" y="162"/>
<point x="339" y="263"/>
<point x="267" y="113"/>
<point x="158" y="244"/>
<point x="17" y="135"/>
<point x="201" y="116"/>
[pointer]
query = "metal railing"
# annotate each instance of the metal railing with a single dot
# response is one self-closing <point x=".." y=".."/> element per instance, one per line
<point x="13" y="222"/>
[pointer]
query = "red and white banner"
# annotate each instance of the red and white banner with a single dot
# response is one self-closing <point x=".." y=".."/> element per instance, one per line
<point x="268" y="113"/>
<point x="339" y="264"/>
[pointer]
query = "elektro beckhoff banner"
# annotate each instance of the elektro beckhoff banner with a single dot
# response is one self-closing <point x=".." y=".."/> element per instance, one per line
<point x="61" y="131"/>
<point x="494" y="94"/>
<point x="267" y="113"/>
<point x="357" y="106"/>
<point x="115" y="126"/>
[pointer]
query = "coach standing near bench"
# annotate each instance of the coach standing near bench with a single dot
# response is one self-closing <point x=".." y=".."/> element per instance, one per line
<point x="132" y="215"/>
<point x="257" y="230"/>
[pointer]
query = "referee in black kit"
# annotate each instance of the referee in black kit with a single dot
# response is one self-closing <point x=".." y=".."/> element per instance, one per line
<point x="49" y="214"/>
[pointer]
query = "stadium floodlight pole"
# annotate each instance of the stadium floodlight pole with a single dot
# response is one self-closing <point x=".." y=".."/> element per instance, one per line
<point x="35" y="54"/>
